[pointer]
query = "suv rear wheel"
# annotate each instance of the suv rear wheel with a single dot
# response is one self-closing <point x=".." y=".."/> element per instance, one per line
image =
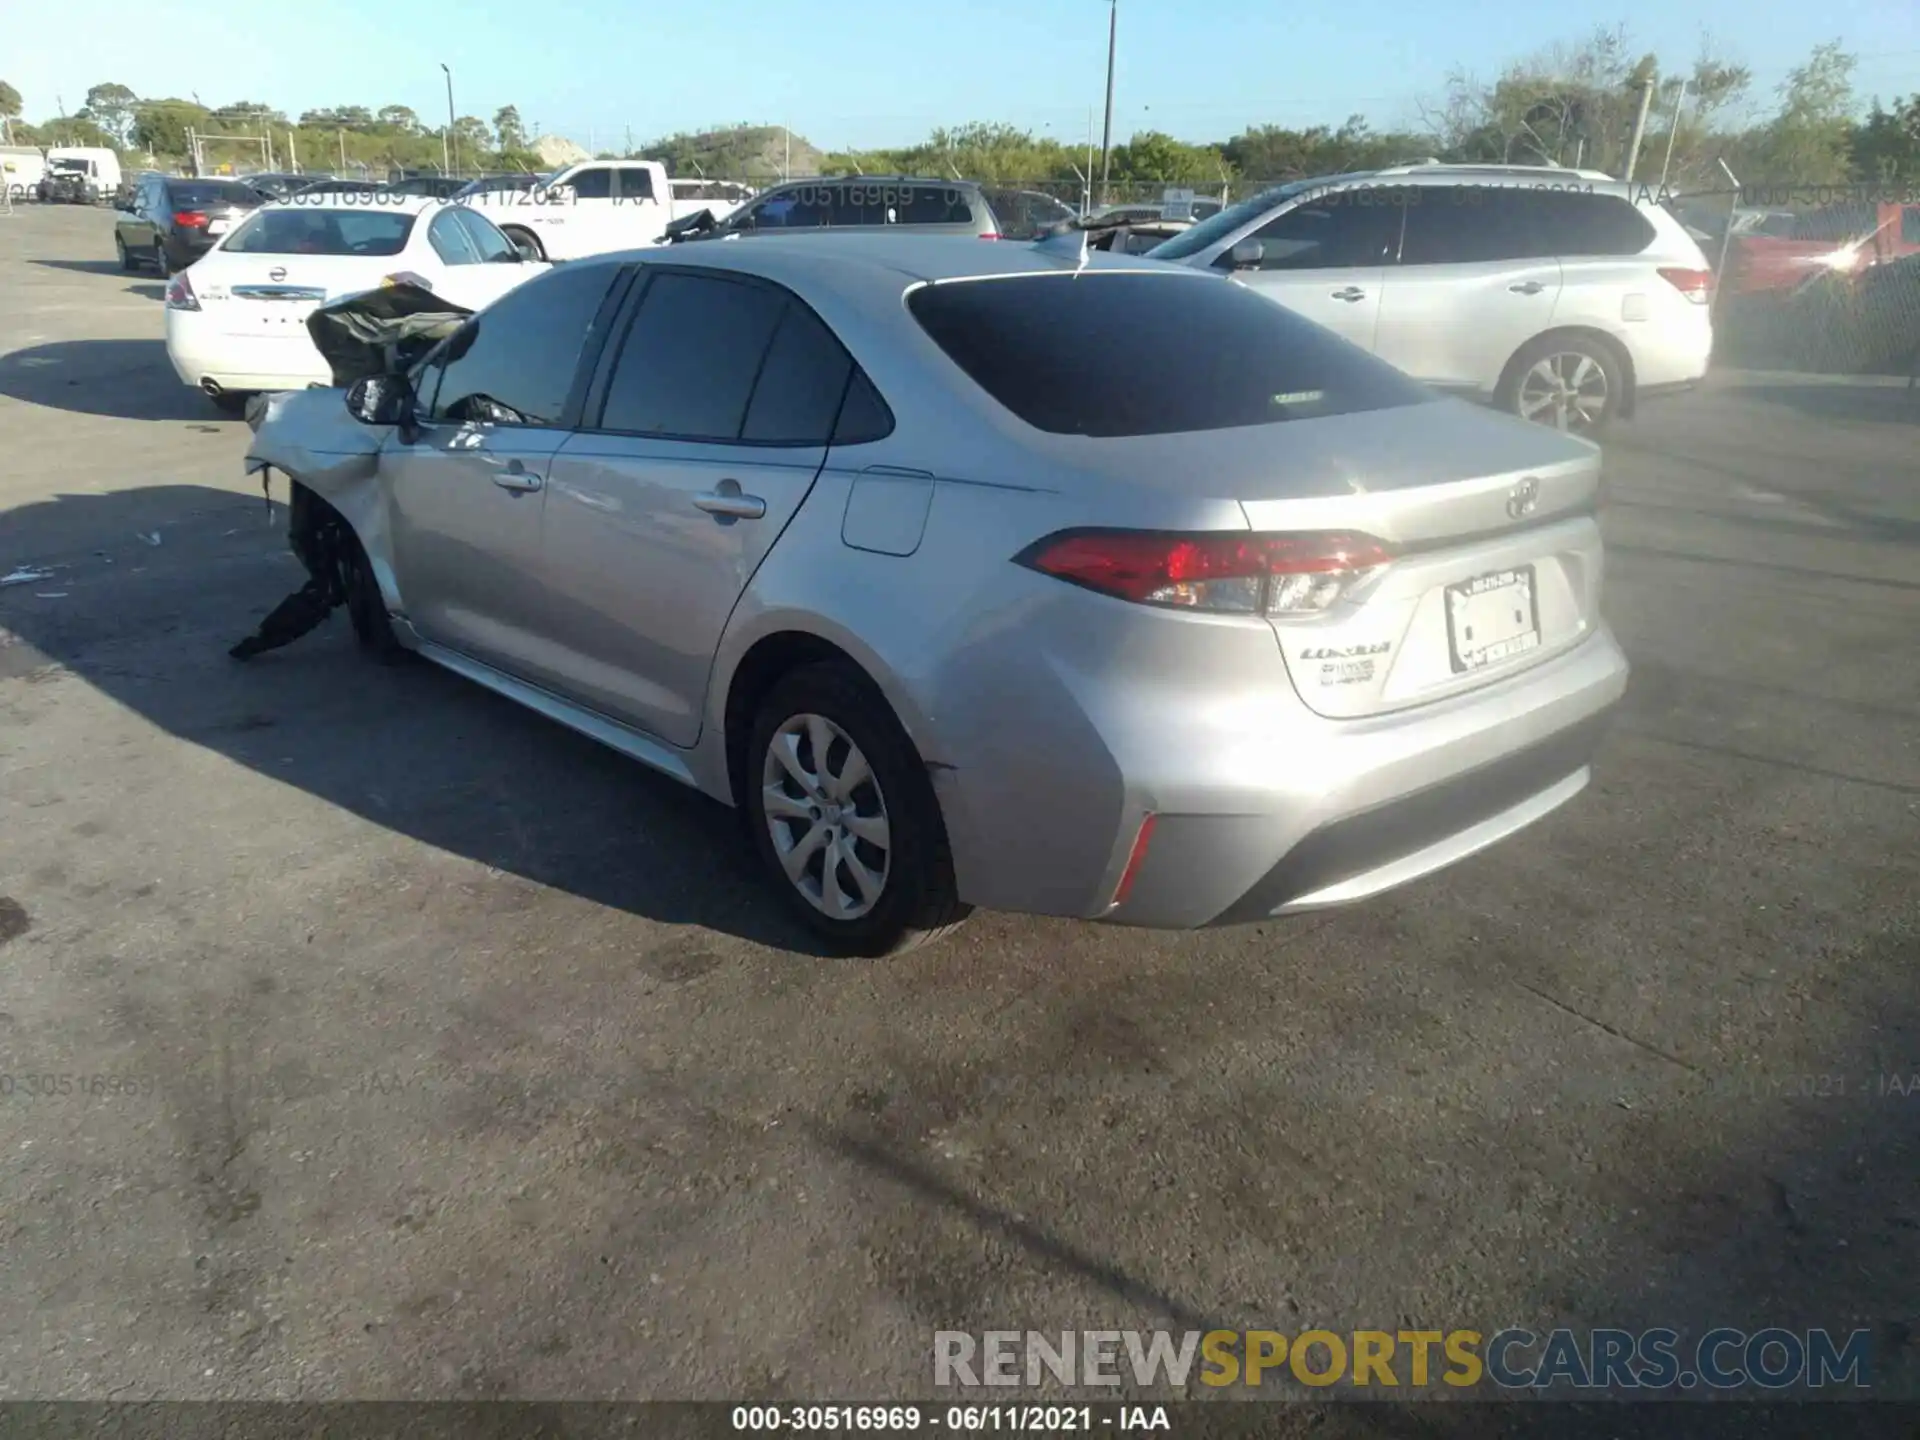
<point x="1570" y="382"/>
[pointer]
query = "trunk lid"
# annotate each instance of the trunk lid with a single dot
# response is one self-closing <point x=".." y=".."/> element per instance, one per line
<point x="272" y="295"/>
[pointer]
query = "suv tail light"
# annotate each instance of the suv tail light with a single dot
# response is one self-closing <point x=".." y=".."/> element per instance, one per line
<point x="190" y="219"/>
<point x="1696" y="285"/>
<point x="180" y="294"/>
<point x="1221" y="573"/>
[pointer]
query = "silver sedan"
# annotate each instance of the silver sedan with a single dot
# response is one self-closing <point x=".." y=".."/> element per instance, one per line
<point x="985" y="574"/>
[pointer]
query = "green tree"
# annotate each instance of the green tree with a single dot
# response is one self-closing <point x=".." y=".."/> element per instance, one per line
<point x="1156" y="157"/>
<point x="247" y="116"/>
<point x="9" y="102"/>
<point x="111" y="107"/>
<point x="161" y="125"/>
<point x="1810" y="141"/>
<point x="398" y="118"/>
<point x="506" y="125"/>
<point x="1887" y="146"/>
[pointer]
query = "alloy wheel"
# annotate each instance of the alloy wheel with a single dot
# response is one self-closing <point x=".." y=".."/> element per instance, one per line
<point x="1567" y="390"/>
<point x="827" y="816"/>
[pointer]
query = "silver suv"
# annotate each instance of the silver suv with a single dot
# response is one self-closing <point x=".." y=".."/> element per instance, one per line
<point x="1560" y="295"/>
<point x="897" y="204"/>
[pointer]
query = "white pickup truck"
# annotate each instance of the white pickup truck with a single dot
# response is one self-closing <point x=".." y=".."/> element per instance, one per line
<point x="591" y="208"/>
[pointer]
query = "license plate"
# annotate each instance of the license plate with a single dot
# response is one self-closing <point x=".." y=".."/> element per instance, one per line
<point x="217" y="227"/>
<point x="1492" y="617"/>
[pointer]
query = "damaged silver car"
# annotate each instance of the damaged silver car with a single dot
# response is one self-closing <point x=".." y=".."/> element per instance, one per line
<point x="1013" y="576"/>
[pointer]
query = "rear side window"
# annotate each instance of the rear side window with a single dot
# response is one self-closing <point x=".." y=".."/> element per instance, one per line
<point x="1572" y="222"/>
<point x="1466" y="224"/>
<point x="688" y="364"/>
<point x="1125" y="353"/>
<point x="797" y="396"/>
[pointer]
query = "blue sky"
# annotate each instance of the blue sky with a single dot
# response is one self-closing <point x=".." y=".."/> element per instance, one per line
<point x="860" y="72"/>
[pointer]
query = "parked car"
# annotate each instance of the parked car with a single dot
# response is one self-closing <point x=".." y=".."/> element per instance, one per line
<point x="320" y="189"/>
<point x="507" y="183"/>
<point x="98" y="165"/>
<point x="721" y="197"/>
<point x="236" y="318"/>
<point x="66" y="182"/>
<point x="1844" y="239"/>
<point x="169" y="223"/>
<point x="986" y="575"/>
<point x="1137" y="237"/>
<point x="592" y="208"/>
<point x="1560" y="295"/>
<point x="908" y="203"/>
<point x="439" y="187"/>
<point x="278" y="185"/>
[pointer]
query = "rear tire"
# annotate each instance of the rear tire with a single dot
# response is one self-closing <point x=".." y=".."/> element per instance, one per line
<point x="162" y="264"/>
<point x="232" y="403"/>
<point x="124" y="255"/>
<point x="1567" y="382"/>
<point x="875" y="849"/>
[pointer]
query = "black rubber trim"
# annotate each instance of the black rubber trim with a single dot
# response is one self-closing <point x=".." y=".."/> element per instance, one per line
<point x="1409" y="824"/>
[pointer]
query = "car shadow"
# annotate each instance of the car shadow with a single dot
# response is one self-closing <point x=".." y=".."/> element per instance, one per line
<point x="408" y="747"/>
<point x="86" y="267"/>
<point x="124" y="379"/>
<point x="153" y="291"/>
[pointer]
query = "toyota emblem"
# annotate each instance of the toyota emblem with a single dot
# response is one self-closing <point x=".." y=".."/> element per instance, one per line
<point x="276" y="273"/>
<point x="1523" y="499"/>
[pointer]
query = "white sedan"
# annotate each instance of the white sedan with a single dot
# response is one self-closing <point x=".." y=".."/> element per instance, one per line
<point x="236" y="318"/>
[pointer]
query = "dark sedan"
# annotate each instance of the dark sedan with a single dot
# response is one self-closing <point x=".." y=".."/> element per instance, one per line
<point x="171" y="222"/>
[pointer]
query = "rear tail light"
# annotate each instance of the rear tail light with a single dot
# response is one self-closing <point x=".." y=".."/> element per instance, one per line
<point x="180" y="294"/>
<point x="1220" y="573"/>
<point x="1134" y="860"/>
<point x="190" y="219"/>
<point x="1696" y="285"/>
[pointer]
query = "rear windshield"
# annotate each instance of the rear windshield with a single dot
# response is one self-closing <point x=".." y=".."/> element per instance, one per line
<point x="1131" y="353"/>
<point x="322" y="232"/>
<point x="218" y="192"/>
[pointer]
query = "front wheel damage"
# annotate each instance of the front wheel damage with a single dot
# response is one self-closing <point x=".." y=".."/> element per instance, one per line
<point x="327" y="549"/>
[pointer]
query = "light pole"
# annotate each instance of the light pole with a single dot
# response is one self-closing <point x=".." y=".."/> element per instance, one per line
<point x="1106" y="132"/>
<point x="450" y="148"/>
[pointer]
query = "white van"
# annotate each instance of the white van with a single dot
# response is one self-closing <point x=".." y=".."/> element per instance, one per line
<point x="21" y="166"/>
<point x="102" y="166"/>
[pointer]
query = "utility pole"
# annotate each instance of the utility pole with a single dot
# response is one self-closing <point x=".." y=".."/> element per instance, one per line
<point x="629" y="140"/>
<point x="293" y="155"/>
<point x="453" y="152"/>
<point x="1106" y="133"/>
<point x="1672" y="131"/>
<point x="1639" y="127"/>
<point x="343" y="152"/>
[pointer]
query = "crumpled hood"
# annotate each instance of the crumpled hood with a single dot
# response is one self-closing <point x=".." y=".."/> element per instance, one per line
<point x="382" y="331"/>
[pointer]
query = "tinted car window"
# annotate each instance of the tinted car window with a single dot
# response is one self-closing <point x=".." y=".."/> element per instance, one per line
<point x="1355" y="228"/>
<point x="635" y="184"/>
<point x="514" y="363"/>
<point x="592" y="184"/>
<point x="203" y="193"/>
<point x="449" y="240"/>
<point x="793" y="209"/>
<point x="488" y="241"/>
<point x="1910" y="225"/>
<point x="1465" y="224"/>
<point x="1126" y="353"/>
<point x="802" y="380"/>
<point x="321" y="232"/>
<point x="934" y="205"/>
<point x="1020" y="214"/>
<point x="864" y="415"/>
<point x="1572" y="222"/>
<point x="689" y="361"/>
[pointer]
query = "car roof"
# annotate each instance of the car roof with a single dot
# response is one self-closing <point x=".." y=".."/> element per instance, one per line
<point x="389" y="203"/>
<point x="852" y="261"/>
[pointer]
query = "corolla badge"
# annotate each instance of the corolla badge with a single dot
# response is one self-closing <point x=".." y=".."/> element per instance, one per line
<point x="277" y="273"/>
<point x="1523" y="499"/>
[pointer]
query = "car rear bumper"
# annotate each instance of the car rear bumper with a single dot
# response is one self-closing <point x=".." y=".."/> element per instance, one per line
<point x="200" y="353"/>
<point x="1292" y="812"/>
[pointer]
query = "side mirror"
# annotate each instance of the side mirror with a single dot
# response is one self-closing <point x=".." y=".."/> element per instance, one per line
<point x="1246" y="255"/>
<point x="528" y="252"/>
<point x="379" y="400"/>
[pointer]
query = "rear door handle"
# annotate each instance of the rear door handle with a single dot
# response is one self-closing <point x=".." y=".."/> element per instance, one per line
<point x="1350" y="294"/>
<point x="731" y="503"/>
<point x="516" y="478"/>
<point x="1527" y="287"/>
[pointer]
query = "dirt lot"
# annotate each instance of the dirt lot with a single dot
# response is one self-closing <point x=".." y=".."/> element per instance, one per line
<point x="458" y="1057"/>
